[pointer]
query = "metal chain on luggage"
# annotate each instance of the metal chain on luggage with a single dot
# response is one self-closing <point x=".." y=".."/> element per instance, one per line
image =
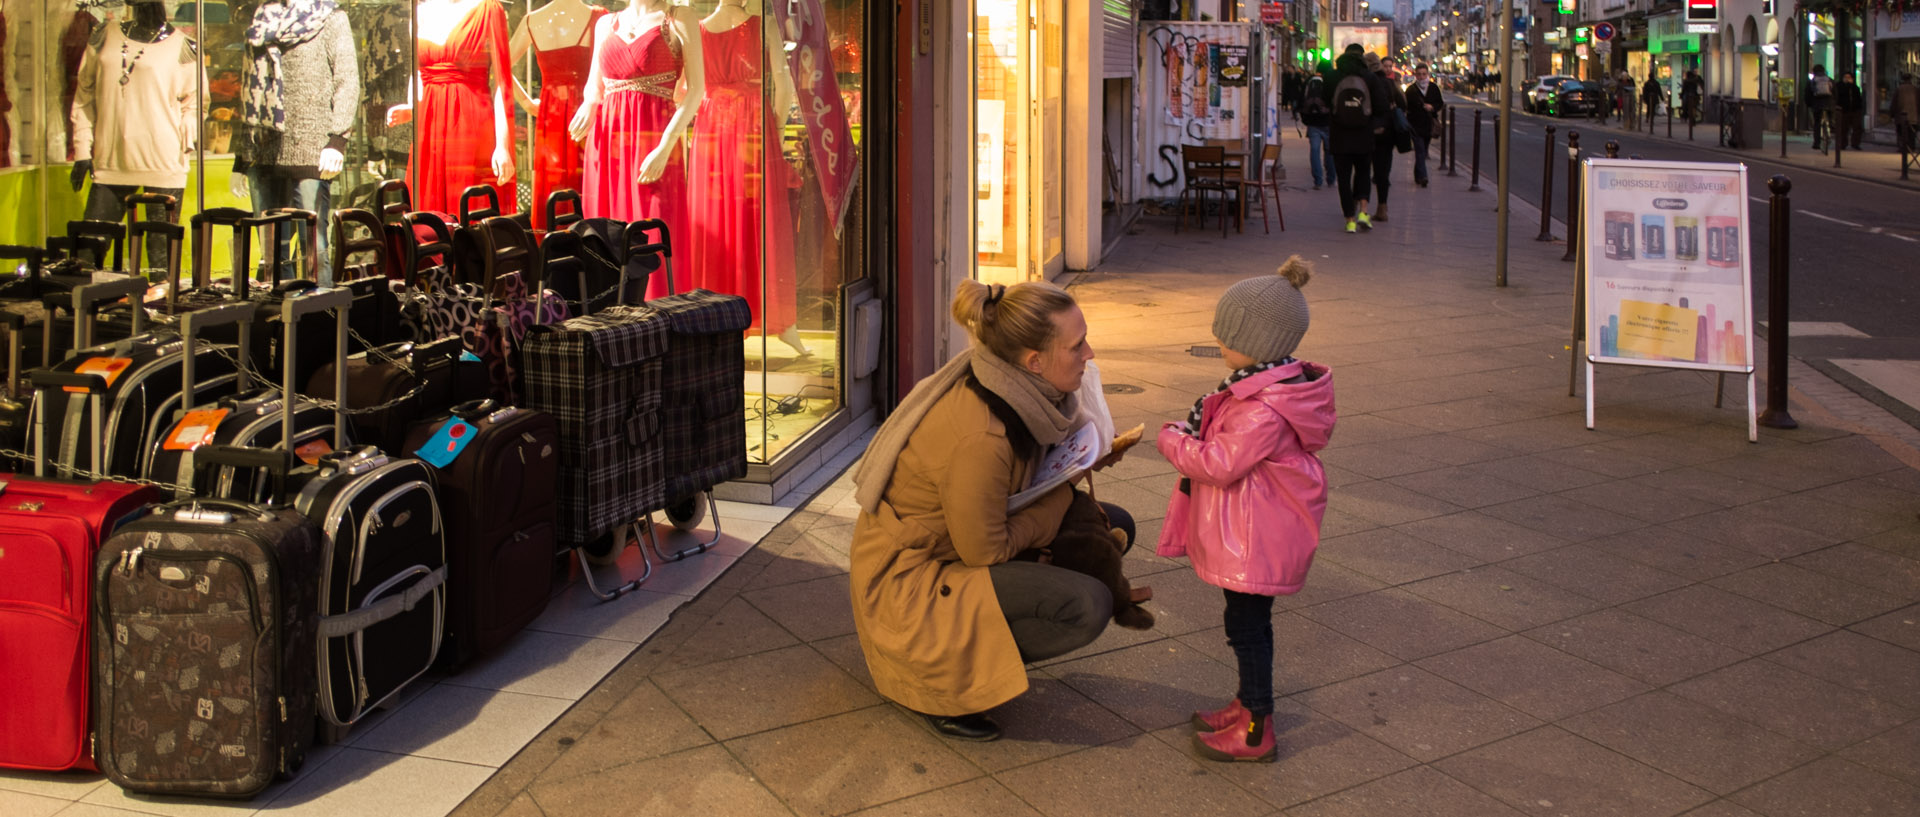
<point x="254" y="375"/>
<point x="82" y="473"/>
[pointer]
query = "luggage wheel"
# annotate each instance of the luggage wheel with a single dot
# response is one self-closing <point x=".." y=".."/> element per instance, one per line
<point x="622" y="538"/>
<point x="687" y="515"/>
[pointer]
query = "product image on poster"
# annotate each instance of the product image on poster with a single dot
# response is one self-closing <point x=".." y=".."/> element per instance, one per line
<point x="1655" y="294"/>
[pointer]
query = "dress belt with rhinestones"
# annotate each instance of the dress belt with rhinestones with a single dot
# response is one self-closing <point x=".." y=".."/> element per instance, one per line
<point x="660" y="85"/>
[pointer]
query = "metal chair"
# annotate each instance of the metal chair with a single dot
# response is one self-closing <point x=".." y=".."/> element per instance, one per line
<point x="1263" y="178"/>
<point x="1205" y="170"/>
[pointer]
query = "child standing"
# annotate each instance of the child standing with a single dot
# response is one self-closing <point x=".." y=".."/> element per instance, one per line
<point x="1252" y="492"/>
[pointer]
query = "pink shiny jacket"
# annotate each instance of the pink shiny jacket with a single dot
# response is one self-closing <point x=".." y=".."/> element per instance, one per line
<point x="1250" y="520"/>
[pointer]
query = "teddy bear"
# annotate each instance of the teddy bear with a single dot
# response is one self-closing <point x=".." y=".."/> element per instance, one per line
<point x="1089" y="543"/>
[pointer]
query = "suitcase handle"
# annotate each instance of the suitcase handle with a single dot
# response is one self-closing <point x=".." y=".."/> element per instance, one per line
<point x="555" y="219"/>
<point x="95" y="387"/>
<point x="469" y="215"/>
<point x="48" y="380"/>
<point x="392" y="198"/>
<point x="214" y="511"/>
<point x="309" y="221"/>
<point x="637" y="245"/>
<point x="344" y="247"/>
<point x="35" y="257"/>
<point x="92" y="234"/>
<point x="442" y="244"/>
<point x="277" y="461"/>
<point x="202" y="224"/>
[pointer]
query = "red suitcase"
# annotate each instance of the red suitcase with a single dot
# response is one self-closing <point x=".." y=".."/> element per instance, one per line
<point x="50" y="531"/>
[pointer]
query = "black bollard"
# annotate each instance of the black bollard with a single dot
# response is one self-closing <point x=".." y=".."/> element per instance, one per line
<point x="1613" y="149"/>
<point x="1475" y="187"/>
<point x="1573" y="194"/>
<point x="1453" y="142"/>
<point x="1669" y="117"/>
<point x="1776" y="415"/>
<point x="1837" y="142"/>
<point x="1546" y="192"/>
<point x="1904" y="134"/>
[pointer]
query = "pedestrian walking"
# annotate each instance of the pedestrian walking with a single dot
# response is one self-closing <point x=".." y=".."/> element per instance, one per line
<point x="1252" y="492"/>
<point x="1850" y="107"/>
<point x="1424" y="108"/>
<point x="1388" y="141"/>
<point x="1651" y="95"/>
<point x="1358" y="99"/>
<point x="1315" y="116"/>
<point x="1906" y="111"/>
<point x="1819" y="96"/>
<point x="1691" y="88"/>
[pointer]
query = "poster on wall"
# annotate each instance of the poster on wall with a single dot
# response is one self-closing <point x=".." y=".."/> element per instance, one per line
<point x="990" y="176"/>
<point x="1230" y="65"/>
<point x="1667" y="274"/>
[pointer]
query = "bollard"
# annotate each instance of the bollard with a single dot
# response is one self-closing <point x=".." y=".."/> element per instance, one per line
<point x="1453" y="142"/>
<point x="1669" y="117"/>
<point x="1904" y="134"/>
<point x="1613" y="149"/>
<point x="1776" y="415"/>
<point x="1475" y="187"/>
<point x="1573" y="194"/>
<point x="1837" y="142"/>
<point x="1546" y="192"/>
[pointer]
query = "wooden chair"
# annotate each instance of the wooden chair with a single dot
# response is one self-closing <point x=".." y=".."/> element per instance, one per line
<point x="1263" y="178"/>
<point x="1205" y="170"/>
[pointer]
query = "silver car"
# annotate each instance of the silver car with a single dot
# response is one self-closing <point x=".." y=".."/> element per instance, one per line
<point x="1539" y="96"/>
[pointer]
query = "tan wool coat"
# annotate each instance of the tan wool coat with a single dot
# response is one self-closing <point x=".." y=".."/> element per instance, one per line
<point x="929" y="621"/>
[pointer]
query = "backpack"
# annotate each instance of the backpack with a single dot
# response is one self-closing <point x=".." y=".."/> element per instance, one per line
<point x="1315" y="96"/>
<point x="1823" y="86"/>
<point x="1352" y="102"/>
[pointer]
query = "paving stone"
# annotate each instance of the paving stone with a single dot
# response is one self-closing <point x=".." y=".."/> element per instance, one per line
<point x="1538" y="472"/>
<point x="1831" y="786"/>
<point x="1463" y="487"/>
<point x="1402" y="624"/>
<point x="1885" y="671"/>
<point x="705" y="780"/>
<point x="1721" y="808"/>
<point x="1337" y="523"/>
<point x="1892" y="752"/>
<point x="1153" y="685"/>
<point x="1417" y="712"/>
<point x="643" y="726"/>
<point x="1900" y="627"/>
<point x="1376" y="460"/>
<point x="1607" y="462"/>
<point x="1742" y="528"/>
<point x="1720" y="489"/>
<point x="1680" y="553"/>
<point x="1592" y="572"/>
<point x="1048" y="720"/>
<point x="1811" y="594"/>
<point x="1482" y="537"/>
<point x="1328" y="581"/>
<point x="1637" y="500"/>
<point x="1420" y="790"/>
<point x="1691" y="741"/>
<point x="1892" y="574"/>
<point x="969" y="799"/>
<point x="758" y="692"/>
<point x="1532" y="677"/>
<point x="1387" y="504"/>
<point x="809" y="610"/>
<point x="811" y="767"/>
<point x="1728" y="618"/>
<point x="736" y="630"/>
<point x="1391" y="556"/>
<point x="1564" y="517"/>
<point x="1305" y="653"/>
<point x="1903" y="541"/>
<point x="1550" y="771"/>
<point x="1316" y="755"/>
<point x="1370" y="428"/>
<point x="1819" y="510"/>
<point x="1503" y="597"/>
<point x="1634" y="646"/>
<point x="1139" y="775"/>
<point x="1794" y="704"/>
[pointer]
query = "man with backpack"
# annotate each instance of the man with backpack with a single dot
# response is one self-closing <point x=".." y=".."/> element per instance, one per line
<point x="1358" y="99"/>
<point x="1315" y="114"/>
<point x="1424" y="106"/>
<point x="1819" y="93"/>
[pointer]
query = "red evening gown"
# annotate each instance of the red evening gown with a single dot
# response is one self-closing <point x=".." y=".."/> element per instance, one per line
<point x="453" y="120"/>
<point x="563" y="76"/>
<point x="735" y="177"/>
<point x="638" y="79"/>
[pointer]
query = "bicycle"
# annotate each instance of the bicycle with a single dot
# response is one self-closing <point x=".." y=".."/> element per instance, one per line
<point x="1823" y="130"/>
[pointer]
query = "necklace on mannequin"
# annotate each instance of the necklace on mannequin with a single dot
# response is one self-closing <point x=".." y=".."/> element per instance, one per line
<point x="126" y="65"/>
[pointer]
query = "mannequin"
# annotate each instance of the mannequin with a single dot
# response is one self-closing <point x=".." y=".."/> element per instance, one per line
<point x="629" y="108"/>
<point x="738" y="179"/>
<point x="461" y="46"/>
<point x="303" y="82"/>
<point x="135" y="115"/>
<point x="560" y="34"/>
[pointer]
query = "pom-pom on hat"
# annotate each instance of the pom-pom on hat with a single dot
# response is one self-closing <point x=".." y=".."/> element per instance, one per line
<point x="1265" y="317"/>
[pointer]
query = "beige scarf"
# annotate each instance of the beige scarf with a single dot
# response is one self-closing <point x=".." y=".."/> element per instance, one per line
<point x="1049" y="415"/>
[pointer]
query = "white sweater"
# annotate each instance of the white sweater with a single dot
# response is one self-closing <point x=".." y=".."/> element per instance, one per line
<point x="141" y="132"/>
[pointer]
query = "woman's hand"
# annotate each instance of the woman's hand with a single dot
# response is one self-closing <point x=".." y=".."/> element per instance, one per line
<point x="582" y="123"/>
<point x="399" y="115"/>
<point x="503" y="164"/>
<point x="656" y="164"/>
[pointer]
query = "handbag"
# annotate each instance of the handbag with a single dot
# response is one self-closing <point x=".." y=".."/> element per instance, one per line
<point x="1402" y="132"/>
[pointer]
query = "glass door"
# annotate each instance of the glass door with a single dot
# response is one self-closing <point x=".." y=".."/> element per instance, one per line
<point x="1003" y="48"/>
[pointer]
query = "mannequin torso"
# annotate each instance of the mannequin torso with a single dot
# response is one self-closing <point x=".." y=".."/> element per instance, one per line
<point x="462" y="54"/>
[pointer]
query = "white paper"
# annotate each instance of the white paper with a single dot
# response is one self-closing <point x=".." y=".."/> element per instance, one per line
<point x="1065" y="460"/>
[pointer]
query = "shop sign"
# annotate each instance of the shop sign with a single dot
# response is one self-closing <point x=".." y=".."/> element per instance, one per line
<point x="1567" y="6"/>
<point x="1674" y="45"/>
<point x="836" y="158"/>
<point x="1702" y="15"/>
<point x="1273" y="13"/>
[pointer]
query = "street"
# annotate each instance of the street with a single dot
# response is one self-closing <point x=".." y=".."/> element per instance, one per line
<point x="1855" y="243"/>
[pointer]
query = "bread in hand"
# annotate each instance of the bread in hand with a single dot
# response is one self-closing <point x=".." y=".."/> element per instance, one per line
<point x="1128" y="438"/>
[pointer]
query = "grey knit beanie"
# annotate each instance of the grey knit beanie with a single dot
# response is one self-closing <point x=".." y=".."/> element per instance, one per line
<point x="1265" y="317"/>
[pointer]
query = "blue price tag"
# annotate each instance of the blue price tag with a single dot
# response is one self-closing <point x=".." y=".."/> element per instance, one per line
<point x="446" y="444"/>
<point x="469" y="356"/>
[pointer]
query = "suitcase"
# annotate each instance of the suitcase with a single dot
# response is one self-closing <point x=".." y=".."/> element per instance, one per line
<point x="49" y="533"/>
<point x="144" y="375"/>
<point x="382" y="575"/>
<point x="424" y="379"/>
<point x="497" y="499"/>
<point x="204" y="633"/>
<point x="511" y="276"/>
<point x="375" y="317"/>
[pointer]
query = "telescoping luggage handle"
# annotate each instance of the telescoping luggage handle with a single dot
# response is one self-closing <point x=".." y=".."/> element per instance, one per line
<point x="305" y="222"/>
<point x="174" y="234"/>
<point x="202" y="224"/>
<point x="638" y="245"/>
<point x="15" y="324"/>
<point x="36" y="259"/>
<point x="344" y="247"/>
<point x="504" y="242"/>
<point x="103" y="237"/>
<point x="191" y="325"/>
<point x="95" y="385"/>
<point x="441" y="245"/>
<point x="392" y="200"/>
<point x="86" y="301"/>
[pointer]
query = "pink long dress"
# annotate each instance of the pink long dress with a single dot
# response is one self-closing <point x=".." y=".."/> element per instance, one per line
<point x="453" y="121"/>
<point x="637" y="102"/>
<point x="736" y="176"/>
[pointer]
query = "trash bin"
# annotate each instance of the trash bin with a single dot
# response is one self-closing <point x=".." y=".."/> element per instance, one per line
<point x="1749" y="124"/>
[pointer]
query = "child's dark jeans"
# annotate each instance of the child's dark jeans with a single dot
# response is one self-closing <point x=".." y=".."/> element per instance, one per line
<point x="1249" y="621"/>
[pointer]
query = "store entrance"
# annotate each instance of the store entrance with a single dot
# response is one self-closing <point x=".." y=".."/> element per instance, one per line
<point x="1018" y="82"/>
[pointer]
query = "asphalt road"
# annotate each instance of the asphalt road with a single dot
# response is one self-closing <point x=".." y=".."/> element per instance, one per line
<point x="1855" y="244"/>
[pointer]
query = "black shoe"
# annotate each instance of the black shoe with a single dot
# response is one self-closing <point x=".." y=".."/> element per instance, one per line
<point x="976" y="726"/>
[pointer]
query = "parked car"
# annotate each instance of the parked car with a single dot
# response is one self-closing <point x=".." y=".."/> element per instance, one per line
<point x="1541" y="90"/>
<point x="1570" y="98"/>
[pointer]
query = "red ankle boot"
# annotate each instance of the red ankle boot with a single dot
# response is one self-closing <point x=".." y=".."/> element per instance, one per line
<point x="1214" y="720"/>
<point x="1250" y="738"/>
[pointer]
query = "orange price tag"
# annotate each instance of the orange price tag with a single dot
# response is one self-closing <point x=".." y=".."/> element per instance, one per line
<point x="107" y="367"/>
<point x="194" y="430"/>
<point x="311" y="451"/>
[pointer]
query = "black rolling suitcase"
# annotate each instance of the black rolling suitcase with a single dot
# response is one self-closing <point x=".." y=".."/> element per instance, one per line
<point x="403" y="383"/>
<point x="204" y="623"/>
<point x="497" y="497"/>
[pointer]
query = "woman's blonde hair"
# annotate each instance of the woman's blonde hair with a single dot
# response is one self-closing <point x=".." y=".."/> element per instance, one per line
<point x="1010" y="319"/>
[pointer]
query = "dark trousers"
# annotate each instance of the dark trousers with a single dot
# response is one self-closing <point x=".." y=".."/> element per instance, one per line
<point x="1051" y="610"/>
<point x="1353" y="172"/>
<point x="1382" y="170"/>
<point x="108" y="202"/>
<point x="1847" y="129"/>
<point x="1249" y="620"/>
